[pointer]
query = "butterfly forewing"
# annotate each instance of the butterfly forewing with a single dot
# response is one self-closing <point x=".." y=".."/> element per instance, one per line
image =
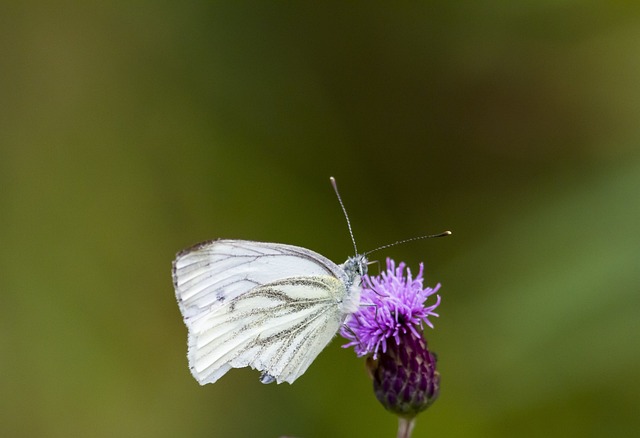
<point x="273" y="307"/>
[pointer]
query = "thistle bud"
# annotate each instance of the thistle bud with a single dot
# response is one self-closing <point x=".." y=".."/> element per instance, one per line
<point x="405" y="379"/>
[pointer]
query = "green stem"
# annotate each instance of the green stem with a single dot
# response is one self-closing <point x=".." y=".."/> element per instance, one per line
<point x="405" y="426"/>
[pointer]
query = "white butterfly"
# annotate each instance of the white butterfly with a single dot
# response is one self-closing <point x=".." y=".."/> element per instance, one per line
<point x="269" y="306"/>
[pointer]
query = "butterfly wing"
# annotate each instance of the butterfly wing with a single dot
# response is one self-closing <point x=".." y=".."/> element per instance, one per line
<point x="272" y="307"/>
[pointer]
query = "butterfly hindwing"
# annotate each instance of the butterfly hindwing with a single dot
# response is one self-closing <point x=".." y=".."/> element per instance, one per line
<point x="271" y="328"/>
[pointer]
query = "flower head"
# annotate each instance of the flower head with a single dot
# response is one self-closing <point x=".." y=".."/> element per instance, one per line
<point x="391" y="305"/>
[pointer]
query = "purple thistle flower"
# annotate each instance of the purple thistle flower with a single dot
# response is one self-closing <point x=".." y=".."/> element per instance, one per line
<point x="391" y="305"/>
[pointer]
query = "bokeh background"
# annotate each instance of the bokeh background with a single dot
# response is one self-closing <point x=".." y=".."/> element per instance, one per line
<point x="130" y="130"/>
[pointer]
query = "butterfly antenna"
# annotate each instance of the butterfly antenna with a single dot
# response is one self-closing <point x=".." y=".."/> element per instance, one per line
<point x="443" y="234"/>
<point x="344" y="210"/>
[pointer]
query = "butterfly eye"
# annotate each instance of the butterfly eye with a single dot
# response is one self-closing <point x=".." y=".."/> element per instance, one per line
<point x="363" y="266"/>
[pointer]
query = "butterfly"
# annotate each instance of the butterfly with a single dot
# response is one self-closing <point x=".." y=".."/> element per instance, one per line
<point x="270" y="306"/>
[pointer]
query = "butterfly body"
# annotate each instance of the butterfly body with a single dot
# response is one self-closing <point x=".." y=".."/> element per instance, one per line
<point x="269" y="306"/>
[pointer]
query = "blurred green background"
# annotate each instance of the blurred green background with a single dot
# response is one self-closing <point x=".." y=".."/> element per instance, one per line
<point x="130" y="130"/>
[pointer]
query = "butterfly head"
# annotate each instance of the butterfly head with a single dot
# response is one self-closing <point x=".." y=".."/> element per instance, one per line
<point x="356" y="266"/>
